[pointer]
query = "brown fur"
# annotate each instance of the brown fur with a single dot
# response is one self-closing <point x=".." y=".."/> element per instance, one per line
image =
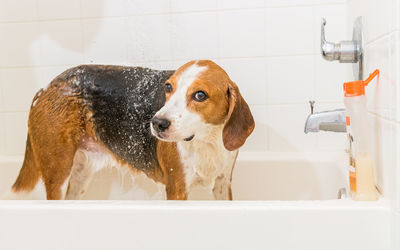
<point x="56" y="126"/>
<point x="240" y="122"/>
<point x="171" y="165"/>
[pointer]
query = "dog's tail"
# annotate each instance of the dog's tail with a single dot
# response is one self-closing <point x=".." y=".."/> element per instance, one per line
<point x="29" y="174"/>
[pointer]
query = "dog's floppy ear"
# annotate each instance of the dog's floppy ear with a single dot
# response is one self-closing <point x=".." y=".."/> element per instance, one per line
<point x="239" y="122"/>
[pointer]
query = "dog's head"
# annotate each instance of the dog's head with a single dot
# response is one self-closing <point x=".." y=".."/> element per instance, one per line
<point x="200" y="95"/>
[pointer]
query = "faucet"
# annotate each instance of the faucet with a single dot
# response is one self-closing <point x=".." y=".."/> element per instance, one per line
<point x="349" y="51"/>
<point x="344" y="51"/>
<point x="333" y="120"/>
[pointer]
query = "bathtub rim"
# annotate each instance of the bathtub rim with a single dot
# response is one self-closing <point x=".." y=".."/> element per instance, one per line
<point x="244" y="156"/>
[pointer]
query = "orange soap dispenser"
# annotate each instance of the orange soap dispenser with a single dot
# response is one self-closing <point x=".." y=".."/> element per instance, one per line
<point x="361" y="174"/>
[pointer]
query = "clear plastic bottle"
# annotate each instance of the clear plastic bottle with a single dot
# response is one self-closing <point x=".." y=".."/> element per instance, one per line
<point x="362" y="183"/>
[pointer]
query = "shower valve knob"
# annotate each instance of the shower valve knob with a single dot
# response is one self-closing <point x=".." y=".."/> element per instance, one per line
<point x="344" y="51"/>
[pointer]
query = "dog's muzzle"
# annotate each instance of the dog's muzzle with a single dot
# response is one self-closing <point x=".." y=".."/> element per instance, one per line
<point x="160" y="124"/>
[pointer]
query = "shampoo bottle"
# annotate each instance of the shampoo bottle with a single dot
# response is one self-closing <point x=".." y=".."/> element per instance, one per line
<point x="361" y="174"/>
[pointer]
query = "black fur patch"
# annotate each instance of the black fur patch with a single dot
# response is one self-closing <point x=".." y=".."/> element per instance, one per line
<point x="123" y="100"/>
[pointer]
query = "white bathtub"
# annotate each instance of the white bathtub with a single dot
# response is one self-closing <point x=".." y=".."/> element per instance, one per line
<point x="290" y="204"/>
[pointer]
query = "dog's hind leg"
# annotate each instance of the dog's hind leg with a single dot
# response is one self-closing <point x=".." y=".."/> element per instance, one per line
<point x="89" y="158"/>
<point x="55" y="173"/>
<point x="81" y="175"/>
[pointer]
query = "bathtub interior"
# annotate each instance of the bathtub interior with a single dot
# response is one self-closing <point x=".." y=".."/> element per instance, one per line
<point x="256" y="176"/>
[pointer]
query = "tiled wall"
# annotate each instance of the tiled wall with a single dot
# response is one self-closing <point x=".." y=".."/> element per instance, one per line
<point x="269" y="47"/>
<point x="382" y="33"/>
<point x="381" y="30"/>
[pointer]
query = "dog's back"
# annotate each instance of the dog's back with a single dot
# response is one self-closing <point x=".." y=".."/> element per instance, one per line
<point x="111" y="105"/>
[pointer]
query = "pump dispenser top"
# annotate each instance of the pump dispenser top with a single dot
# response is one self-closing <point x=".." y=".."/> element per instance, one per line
<point x="357" y="88"/>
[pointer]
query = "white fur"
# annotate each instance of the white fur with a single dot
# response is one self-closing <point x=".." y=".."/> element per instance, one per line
<point x="207" y="163"/>
<point x="91" y="159"/>
<point x="184" y="123"/>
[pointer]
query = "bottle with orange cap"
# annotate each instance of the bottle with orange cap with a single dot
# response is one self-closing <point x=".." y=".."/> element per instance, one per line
<point x="361" y="174"/>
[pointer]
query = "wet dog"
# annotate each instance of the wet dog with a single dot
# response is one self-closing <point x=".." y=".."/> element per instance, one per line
<point x="181" y="129"/>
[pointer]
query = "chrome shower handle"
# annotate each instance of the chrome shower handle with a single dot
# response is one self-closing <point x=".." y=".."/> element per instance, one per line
<point x="344" y="51"/>
<point x="330" y="51"/>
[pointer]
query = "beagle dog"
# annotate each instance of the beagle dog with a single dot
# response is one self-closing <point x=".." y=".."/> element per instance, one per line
<point x="181" y="129"/>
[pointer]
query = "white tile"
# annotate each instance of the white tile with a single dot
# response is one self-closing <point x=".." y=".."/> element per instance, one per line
<point x="17" y="44"/>
<point x="193" y="5"/>
<point x="105" y="41"/>
<point x="377" y="19"/>
<point x="105" y="8"/>
<point x="241" y="33"/>
<point x="15" y="129"/>
<point x="336" y="25"/>
<point x="240" y="4"/>
<point x="286" y="3"/>
<point x="18" y="85"/>
<point x="381" y="92"/>
<point x="331" y="141"/>
<point x="13" y="10"/>
<point x="289" y="30"/>
<point x="320" y="107"/>
<point x="2" y="133"/>
<point x="377" y="16"/>
<point x="395" y="15"/>
<point x="194" y="36"/>
<point x="356" y="8"/>
<point x="148" y="38"/>
<point x="290" y="79"/>
<point x="258" y="140"/>
<point x="61" y="42"/>
<point x="383" y="145"/>
<point x="59" y="9"/>
<point x="161" y="65"/>
<point x="329" y="79"/>
<point x="47" y="74"/>
<point x="286" y="129"/>
<point x="2" y="104"/>
<point x="249" y="74"/>
<point x="397" y="171"/>
<point x="394" y="63"/>
<point x="396" y="230"/>
<point x="141" y="7"/>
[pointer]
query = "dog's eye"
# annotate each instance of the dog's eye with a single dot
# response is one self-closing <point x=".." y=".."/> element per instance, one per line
<point x="200" y="96"/>
<point x="168" y="88"/>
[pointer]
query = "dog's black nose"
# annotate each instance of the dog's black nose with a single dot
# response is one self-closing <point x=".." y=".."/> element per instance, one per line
<point x="160" y="124"/>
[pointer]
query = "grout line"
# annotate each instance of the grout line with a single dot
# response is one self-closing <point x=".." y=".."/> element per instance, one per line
<point x="83" y="52"/>
<point x="13" y="111"/>
<point x="383" y="118"/>
<point x="314" y="32"/>
<point x="171" y="12"/>
<point x="218" y="30"/>
<point x="37" y="10"/>
<point x="159" y="61"/>
<point x="268" y="128"/>
<point x="126" y="42"/>
<point x="381" y="37"/>
<point x="301" y="103"/>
